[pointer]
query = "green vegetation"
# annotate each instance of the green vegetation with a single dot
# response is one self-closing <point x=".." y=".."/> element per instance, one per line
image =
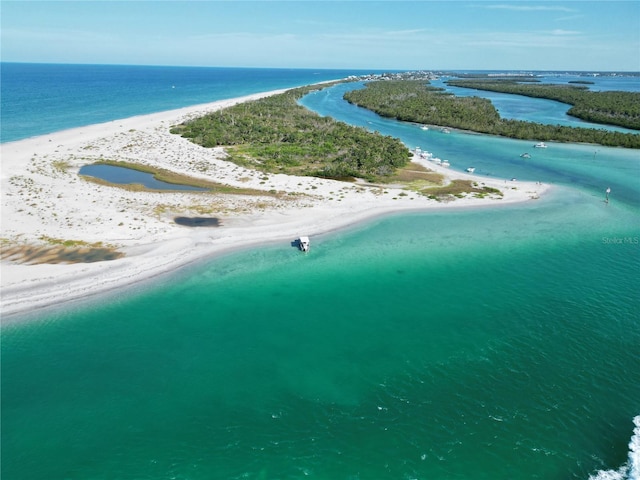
<point x="70" y="243"/>
<point x="414" y="175"/>
<point x="37" y="255"/>
<point x="413" y="101"/>
<point x="417" y="178"/>
<point x="61" y="165"/>
<point x="58" y="250"/>
<point x="459" y="188"/>
<point x="609" y="107"/>
<point x="276" y="135"/>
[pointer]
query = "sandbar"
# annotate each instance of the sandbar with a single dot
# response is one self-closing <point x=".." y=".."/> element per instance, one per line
<point x="44" y="200"/>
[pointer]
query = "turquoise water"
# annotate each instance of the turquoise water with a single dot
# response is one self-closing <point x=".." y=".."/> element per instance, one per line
<point x="590" y="167"/>
<point x="483" y="344"/>
<point x="497" y="343"/>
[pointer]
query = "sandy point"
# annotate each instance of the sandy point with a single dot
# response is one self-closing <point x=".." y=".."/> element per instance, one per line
<point x="45" y="202"/>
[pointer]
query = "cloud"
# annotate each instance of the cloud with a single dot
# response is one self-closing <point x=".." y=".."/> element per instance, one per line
<point x="569" y="18"/>
<point x="559" y="31"/>
<point x="406" y="32"/>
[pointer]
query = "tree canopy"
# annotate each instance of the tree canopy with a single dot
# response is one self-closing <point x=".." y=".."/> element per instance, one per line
<point x="606" y="107"/>
<point x="414" y="101"/>
<point x="275" y="134"/>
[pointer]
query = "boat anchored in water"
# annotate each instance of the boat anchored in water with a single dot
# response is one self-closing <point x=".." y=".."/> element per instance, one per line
<point x="471" y="169"/>
<point x="303" y="243"/>
<point x="525" y="155"/>
<point x="540" y="145"/>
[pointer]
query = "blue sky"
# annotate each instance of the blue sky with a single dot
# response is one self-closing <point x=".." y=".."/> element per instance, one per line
<point x="454" y="34"/>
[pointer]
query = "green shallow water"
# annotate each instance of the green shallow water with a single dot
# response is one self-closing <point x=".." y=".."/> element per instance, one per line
<point x="484" y="344"/>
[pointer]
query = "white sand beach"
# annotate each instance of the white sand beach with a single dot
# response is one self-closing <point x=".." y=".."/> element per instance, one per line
<point x="45" y="201"/>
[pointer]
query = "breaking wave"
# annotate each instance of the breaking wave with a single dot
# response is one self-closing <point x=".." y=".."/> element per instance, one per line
<point x="631" y="469"/>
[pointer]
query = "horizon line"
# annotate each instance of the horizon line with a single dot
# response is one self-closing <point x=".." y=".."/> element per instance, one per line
<point x="377" y="69"/>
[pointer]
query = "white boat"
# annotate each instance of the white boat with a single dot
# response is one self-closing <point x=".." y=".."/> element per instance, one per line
<point x="540" y="145"/>
<point x="303" y="243"/>
<point x="525" y="155"/>
<point x="445" y="163"/>
<point x="424" y="127"/>
<point x="445" y="130"/>
<point x="471" y="169"/>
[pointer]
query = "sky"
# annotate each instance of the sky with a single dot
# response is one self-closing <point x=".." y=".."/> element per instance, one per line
<point x="580" y="35"/>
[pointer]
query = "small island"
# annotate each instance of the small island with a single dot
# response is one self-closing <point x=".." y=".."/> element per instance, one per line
<point x="415" y="101"/>
<point x="607" y="107"/>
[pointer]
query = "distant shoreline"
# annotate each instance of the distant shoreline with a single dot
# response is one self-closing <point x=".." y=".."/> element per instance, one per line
<point x="44" y="198"/>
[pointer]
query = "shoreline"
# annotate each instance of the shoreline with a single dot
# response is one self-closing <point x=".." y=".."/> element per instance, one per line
<point x="43" y="198"/>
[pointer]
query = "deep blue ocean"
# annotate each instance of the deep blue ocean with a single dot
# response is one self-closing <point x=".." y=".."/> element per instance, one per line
<point x="494" y="343"/>
<point x="40" y="98"/>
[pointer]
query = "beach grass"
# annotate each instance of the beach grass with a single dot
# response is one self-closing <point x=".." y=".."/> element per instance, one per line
<point x="459" y="188"/>
<point x="70" y="243"/>
<point x="56" y="251"/>
<point x="414" y="173"/>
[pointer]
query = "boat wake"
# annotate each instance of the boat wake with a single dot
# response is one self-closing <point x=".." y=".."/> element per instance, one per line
<point x="631" y="469"/>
